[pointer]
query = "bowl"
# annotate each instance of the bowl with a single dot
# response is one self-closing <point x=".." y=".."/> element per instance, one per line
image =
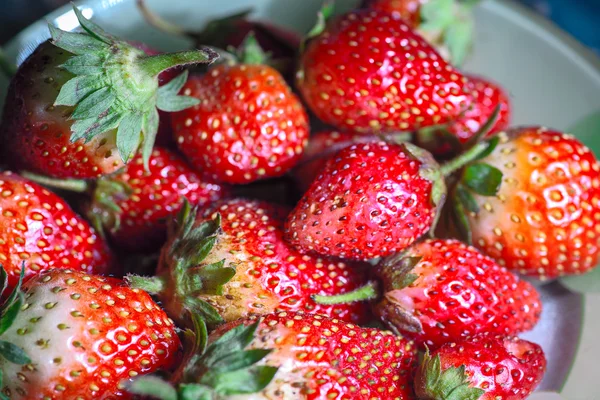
<point x="552" y="79"/>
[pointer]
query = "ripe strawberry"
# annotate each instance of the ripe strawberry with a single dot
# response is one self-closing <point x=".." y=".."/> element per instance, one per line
<point x="83" y="103"/>
<point x="231" y="261"/>
<point x="446" y="24"/>
<point x="443" y="290"/>
<point x="85" y="336"/>
<point x="533" y="203"/>
<point x="368" y="72"/>
<point x="370" y="200"/>
<point x="485" y="367"/>
<point x="39" y="228"/>
<point x="248" y="125"/>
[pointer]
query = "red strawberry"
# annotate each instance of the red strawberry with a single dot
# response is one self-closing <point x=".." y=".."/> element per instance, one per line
<point x="533" y="204"/>
<point x="245" y="267"/>
<point x="82" y="104"/>
<point x="447" y="25"/>
<point x="84" y="336"/>
<point x="369" y="72"/>
<point x="39" y="228"/>
<point x="248" y="126"/>
<point x="485" y="367"/>
<point x="370" y="200"/>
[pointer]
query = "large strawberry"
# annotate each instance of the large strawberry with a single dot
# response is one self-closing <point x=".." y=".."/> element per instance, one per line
<point x="370" y="200"/>
<point x="248" y="125"/>
<point x="231" y="261"/>
<point x="133" y="205"/>
<point x="309" y="357"/>
<point x="368" y="72"/>
<point x="486" y="367"/>
<point x="443" y="290"/>
<point x="533" y="204"/>
<point x="84" y="336"/>
<point x="39" y="228"/>
<point x="446" y="24"/>
<point x="83" y="103"/>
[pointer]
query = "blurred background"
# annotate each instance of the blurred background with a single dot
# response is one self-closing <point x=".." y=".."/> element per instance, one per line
<point x="581" y="18"/>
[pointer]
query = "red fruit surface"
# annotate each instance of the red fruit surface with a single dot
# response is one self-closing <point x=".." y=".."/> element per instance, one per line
<point x="370" y="200"/>
<point x="86" y="336"/>
<point x="369" y="72"/>
<point x="39" y="228"/>
<point x="249" y="125"/>
<point x="458" y="293"/>
<point x="324" y="358"/>
<point x="407" y="10"/>
<point x="543" y="222"/>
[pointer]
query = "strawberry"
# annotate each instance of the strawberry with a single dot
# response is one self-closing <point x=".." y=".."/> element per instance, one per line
<point x="368" y="72"/>
<point x="533" y="203"/>
<point x="248" y="126"/>
<point x="84" y="336"/>
<point x="308" y="357"/>
<point x="443" y="290"/>
<point x="39" y="228"/>
<point x="485" y="367"/>
<point x="231" y="261"/>
<point x="83" y="103"/>
<point x="446" y="24"/>
<point x="370" y="200"/>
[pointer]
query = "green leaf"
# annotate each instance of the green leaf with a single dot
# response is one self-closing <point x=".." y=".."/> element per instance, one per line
<point x="250" y="51"/>
<point x="492" y="144"/>
<point x="10" y="314"/>
<point x="251" y="380"/>
<point x="214" y="276"/>
<point x="3" y="280"/>
<point x="174" y="86"/>
<point x="176" y="103"/>
<point x="483" y="179"/>
<point x="86" y="129"/>
<point x="466" y="198"/>
<point x="586" y="283"/>
<point x="460" y="220"/>
<point x="323" y="15"/>
<point x="76" y="43"/>
<point x="91" y="28"/>
<point x="239" y="360"/>
<point x="129" y="135"/>
<point x="465" y="392"/>
<point x="234" y="340"/>
<point x="201" y="307"/>
<point x="154" y="387"/>
<point x="458" y="37"/>
<point x="86" y="64"/>
<point x="150" y="129"/>
<point x="97" y="103"/>
<point x="436" y="15"/>
<point x="74" y="90"/>
<point x="195" y="391"/>
<point x="13" y="353"/>
<point x="16" y="292"/>
<point x="485" y="128"/>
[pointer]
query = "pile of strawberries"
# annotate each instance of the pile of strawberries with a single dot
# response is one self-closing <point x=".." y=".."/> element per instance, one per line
<point x="174" y="267"/>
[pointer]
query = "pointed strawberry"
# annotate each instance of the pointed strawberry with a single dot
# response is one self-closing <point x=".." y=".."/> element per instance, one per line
<point x="486" y="367"/>
<point x="231" y="261"/>
<point x="83" y="104"/>
<point x="41" y="229"/>
<point x="84" y="337"/>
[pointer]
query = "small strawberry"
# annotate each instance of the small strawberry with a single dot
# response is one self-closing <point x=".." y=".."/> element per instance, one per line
<point x="39" y="228"/>
<point x="533" y="203"/>
<point x="84" y="336"/>
<point x="231" y="261"/>
<point x="370" y="200"/>
<point x="83" y="103"/>
<point x="446" y="24"/>
<point x="248" y="125"/>
<point x="443" y="290"/>
<point x="368" y="72"/>
<point x="308" y="357"/>
<point x="485" y="367"/>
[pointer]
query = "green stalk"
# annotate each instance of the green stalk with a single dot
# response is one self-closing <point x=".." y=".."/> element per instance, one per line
<point x="367" y="292"/>
<point x="153" y="65"/>
<point x="71" y="185"/>
<point x="465" y="158"/>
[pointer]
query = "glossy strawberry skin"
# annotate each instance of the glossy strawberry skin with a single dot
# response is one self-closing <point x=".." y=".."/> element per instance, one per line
<point x="156" y="195"/>
<point x="369" y="72"/>
<point x="36" y="134"/>
<point x="324" y="358"/>
<point x="39" y="229"/>
<point x="544" y="220"/>
<point x="504" y="367"/>
<point x="368" y="201"/>
<point x="270" y="275"/>
<point x="86" y="335"/>
<point x="249" y="125"/>
<point x="407" y="10"/>
<point x="458" y="293"/>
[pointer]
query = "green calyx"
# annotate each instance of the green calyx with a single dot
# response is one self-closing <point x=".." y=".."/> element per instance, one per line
<point x="187" y="274"/>
<point x="9" y="311"/>
<point x="433" y="383"/>
<point x="222" y="368"/>
<point x="452" y="21"/>
<point x="115" y="86"/>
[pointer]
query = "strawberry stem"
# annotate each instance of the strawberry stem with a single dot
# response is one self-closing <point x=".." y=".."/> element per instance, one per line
<point x="463" y="159"/>
<point x="158" y="22"/>
<point x="153" y="65"/>
<point x="364" y="293"/>
<point x="71" y="185"/>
